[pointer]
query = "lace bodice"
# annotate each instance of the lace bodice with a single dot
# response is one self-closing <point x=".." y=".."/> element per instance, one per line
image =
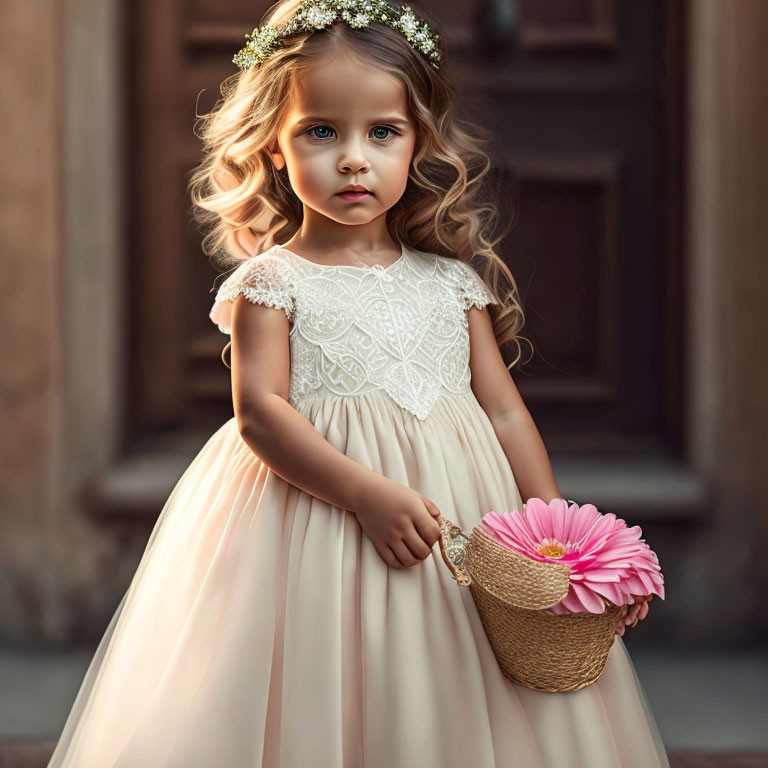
<point x="402" y="328"/>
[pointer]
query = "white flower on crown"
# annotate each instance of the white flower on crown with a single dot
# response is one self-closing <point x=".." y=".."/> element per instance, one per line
<point x="408" y="23"/>
<point x="321" y="16"/>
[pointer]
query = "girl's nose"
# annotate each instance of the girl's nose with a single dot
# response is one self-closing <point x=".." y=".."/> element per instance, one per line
<point x="354" y="165"/>
<point x="352" y="159"/>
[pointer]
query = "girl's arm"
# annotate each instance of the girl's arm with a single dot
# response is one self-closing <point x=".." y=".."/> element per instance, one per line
<point x="497" y="394"/>
<point x="284" y="439"/>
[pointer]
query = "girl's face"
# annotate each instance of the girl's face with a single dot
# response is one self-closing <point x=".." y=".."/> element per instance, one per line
<point x="346" y="124"/>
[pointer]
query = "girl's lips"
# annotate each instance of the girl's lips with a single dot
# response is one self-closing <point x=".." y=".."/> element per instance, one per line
<point x="352" y="195"/>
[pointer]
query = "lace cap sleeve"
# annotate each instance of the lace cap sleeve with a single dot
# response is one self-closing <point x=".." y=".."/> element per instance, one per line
<point x="472" y="289"/>
<point x="266" y="281"/>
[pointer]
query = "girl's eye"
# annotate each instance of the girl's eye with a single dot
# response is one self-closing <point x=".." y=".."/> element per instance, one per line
<point x="321" y="128"/>
<point x="324" y="128"/>
<point x="385" y="128"/>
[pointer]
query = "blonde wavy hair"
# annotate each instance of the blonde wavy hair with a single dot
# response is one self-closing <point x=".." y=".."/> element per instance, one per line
<point x="244" y="205"/>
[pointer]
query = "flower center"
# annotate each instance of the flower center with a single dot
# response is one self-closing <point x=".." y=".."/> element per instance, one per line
<point x="551" y="548"/>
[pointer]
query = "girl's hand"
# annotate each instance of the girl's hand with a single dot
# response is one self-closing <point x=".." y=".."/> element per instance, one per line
<point x="637" y="612"/>
<point x="401" y="523"/>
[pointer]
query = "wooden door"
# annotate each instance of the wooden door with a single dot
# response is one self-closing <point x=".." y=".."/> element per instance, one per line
<point x="584" y="97"/>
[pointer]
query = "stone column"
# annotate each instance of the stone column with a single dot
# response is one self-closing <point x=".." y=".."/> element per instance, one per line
<point x="60" y="308"/>
<point x="728" y="309"/>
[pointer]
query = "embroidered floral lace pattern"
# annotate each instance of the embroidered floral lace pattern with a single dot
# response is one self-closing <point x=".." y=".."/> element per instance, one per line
<point x="262" y="280"/>
<point x="401" y="328"/>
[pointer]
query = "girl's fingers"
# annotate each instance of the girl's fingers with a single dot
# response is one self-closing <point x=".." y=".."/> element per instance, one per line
<point x="636" y="612"/>
<point x="428" y="530"/>
<point x="431" y="506"/>
<point x="388" y="556"/>
<point x="416" y="545"/>
<point x="403" y="554"/>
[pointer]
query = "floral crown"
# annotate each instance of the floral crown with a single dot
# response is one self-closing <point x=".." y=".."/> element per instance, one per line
<point x="317" y="14"/>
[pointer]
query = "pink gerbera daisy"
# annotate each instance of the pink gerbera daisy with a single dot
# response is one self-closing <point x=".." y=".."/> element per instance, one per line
<point x="607" y="559"/>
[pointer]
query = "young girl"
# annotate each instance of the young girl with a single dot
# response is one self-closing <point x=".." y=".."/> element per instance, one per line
<point x="291" y="608"/>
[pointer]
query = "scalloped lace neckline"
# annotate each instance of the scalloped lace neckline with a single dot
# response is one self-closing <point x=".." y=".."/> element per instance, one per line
<point x="375" y="267"/>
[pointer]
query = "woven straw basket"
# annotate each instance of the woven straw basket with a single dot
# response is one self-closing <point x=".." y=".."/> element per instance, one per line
<point x="534" y="647"/>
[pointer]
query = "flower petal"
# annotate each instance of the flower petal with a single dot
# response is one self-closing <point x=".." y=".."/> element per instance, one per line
<point x="588" y="598"/>
<point x="539" y="518"/>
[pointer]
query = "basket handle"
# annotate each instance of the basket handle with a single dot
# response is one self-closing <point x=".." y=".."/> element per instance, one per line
<point x="453" y="543"/>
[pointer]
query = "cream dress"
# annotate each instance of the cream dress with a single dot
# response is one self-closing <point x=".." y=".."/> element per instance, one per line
<point x="262" y="629"/>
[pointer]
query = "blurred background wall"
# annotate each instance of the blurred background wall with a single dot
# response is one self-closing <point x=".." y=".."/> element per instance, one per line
<point x="634" y="140"/>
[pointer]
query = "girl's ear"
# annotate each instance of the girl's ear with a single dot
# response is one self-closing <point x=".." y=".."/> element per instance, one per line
<point x="278" y="159"/>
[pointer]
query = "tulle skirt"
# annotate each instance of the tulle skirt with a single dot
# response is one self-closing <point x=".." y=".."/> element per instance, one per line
<point x="262" y="629"/>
